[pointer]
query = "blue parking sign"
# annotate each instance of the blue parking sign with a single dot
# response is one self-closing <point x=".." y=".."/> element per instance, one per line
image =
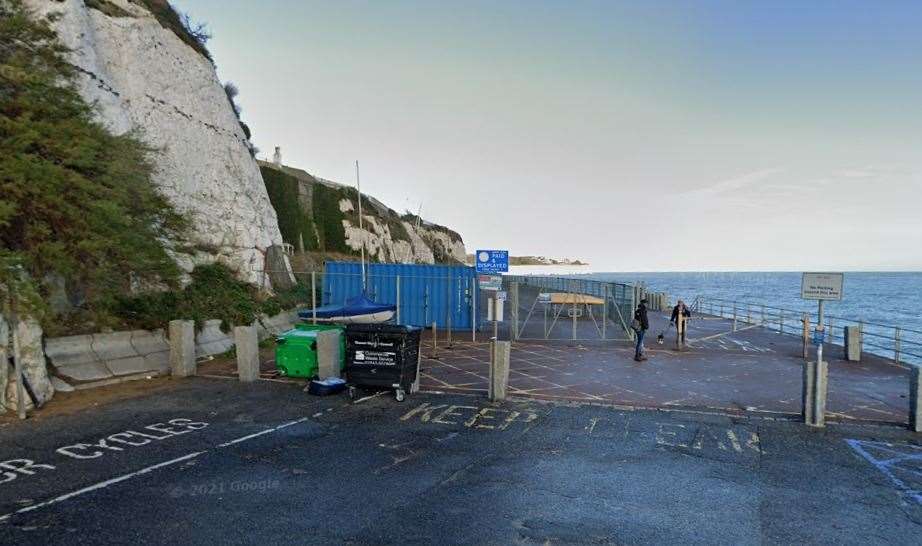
<point x="819" y="336"/>
<point x="492" y="261"/>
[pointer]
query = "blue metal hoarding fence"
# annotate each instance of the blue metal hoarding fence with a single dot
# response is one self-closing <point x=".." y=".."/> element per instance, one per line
<point x="428" y="293"/>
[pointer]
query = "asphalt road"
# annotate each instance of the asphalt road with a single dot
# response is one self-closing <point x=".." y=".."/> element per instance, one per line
<point x="218" y="462"/>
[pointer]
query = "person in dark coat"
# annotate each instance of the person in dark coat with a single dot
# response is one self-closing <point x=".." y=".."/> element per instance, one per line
<point x="642" y="324"/>
<point x="686" y="312"/>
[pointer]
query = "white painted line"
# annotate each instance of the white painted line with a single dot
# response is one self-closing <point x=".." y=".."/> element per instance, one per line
<point x="267" y="431"/>
<point x="377" y="394"/>
<point x="101" y="485"/>
<point x="149" y="469"/>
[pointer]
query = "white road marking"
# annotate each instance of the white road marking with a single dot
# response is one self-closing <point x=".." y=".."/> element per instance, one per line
<point x="100" y="485"/>
<point x="267" y="431"/>
<point x="147" y="470"/>
<point x="375" y="395"/>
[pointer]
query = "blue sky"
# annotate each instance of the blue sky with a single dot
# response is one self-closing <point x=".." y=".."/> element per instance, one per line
<point x="635" y="135"/>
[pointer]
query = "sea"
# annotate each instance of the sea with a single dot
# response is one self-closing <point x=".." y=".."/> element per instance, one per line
<point x="891" y="299"/>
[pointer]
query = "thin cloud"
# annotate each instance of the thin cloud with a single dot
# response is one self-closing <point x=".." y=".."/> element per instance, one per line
<point x="738" y="182"/>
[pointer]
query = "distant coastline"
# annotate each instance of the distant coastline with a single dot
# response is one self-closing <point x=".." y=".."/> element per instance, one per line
<point x="535" y="261"/>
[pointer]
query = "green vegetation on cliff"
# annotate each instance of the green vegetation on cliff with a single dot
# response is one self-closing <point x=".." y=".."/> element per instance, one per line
<point x="309" y="209"/>
<point x="214" y="293"/>
<point x="76" y="202"/>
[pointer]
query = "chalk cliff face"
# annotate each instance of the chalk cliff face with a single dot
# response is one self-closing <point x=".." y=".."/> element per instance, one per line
<point x="426" y="245"/>
<point x="143" y="77"/>
<point x="321" y="215"/>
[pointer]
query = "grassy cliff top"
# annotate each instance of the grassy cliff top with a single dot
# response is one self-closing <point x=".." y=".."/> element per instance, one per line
<point x="193" y="35"/>
<point x="377" y="208"/>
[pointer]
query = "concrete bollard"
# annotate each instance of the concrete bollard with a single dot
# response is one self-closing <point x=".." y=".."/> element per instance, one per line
<point x="813" y="406"/>
<point x="182" y="348"/>
<point x="852" y="343"/>
<point x="499" y="371"/>
<point x="329" y="359"/>
<point x="247" y="343"/>
<point x="915" y="399"/>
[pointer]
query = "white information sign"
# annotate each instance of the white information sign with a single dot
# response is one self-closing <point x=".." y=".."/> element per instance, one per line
<point x="822" y="286"/>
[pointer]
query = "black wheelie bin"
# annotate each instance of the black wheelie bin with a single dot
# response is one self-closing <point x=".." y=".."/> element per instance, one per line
<point x="381" y="356"/>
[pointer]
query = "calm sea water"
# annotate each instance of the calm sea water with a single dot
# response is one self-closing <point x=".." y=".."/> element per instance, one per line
<point x="886" y="298"/>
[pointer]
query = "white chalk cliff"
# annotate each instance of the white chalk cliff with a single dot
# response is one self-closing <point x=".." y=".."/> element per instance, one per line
<point x="143" y="77"/>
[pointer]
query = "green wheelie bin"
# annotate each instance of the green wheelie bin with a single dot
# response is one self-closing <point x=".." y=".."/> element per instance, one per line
<point x="296" y="350"/>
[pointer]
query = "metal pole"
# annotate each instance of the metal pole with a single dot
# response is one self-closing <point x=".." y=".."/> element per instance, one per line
<point x="734" y="316"/>
<point x="473" y="310"/>
<point x="435" y="342"/>
<point x="398" y="298"/>
<point x="806" y="334"/>
<point x="631" y="333"/>
<point x="358" y="185"/>
<point x="314" y="296"/>
<point x="604" y="309"/>
<point x="545" y="321"/>
<point x="573" y="312"/>
<point x="514" y="297"/>
<point x="860" y="337"/>
<point x="819" y="327"/>
<point x="896" y="345"/>
<point x="781" y="323"/>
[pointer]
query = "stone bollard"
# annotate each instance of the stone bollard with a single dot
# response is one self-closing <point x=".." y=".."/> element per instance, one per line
<point x="329" y="359"/>
<point x="852" y="343"/>
<point x="182" y="348"/>
<point x="247" y="342"/>
<point x="499" y="372"/>
<point x="915" y="399"/>
<point x="813" y="406"/>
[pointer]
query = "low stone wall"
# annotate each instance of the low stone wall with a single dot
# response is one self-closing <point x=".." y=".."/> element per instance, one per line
<point x="98" y="357"/>
<point x="273" y="326"/>
<point x="91" y="360"/>
<point x="210" y="340"/>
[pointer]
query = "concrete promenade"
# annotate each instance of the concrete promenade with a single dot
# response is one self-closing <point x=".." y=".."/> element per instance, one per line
<point x="214" y="461"/>
<point x="754" y="370"/>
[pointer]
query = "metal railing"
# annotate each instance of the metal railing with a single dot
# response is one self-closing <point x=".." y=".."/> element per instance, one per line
<point x="902" y="345"/>
<point x="619" y="299"/>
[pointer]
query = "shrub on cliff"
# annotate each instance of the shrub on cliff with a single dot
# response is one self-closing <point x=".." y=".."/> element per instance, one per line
<point x="214" y="293"/>
<point x="76" y="201"/>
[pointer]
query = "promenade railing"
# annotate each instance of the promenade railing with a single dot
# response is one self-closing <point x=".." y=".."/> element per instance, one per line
<point x="902" y="345"/>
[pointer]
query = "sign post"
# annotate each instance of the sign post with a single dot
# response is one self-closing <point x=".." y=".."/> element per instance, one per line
<point x="489" y="264"/>
<point x="821" y="287"/>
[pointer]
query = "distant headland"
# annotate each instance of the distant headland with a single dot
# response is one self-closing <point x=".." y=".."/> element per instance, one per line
<point x="534" y="260"/>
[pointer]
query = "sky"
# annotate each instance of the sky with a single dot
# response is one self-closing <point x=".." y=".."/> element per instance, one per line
<point x="637" y="136"/>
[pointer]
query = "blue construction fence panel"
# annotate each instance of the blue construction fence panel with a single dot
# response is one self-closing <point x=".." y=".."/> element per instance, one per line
<point x="428" y="293"/>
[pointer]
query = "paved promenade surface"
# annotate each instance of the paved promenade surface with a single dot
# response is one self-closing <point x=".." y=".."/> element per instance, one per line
<point x="213" y="461"/>
<point x="752" y="370"/>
